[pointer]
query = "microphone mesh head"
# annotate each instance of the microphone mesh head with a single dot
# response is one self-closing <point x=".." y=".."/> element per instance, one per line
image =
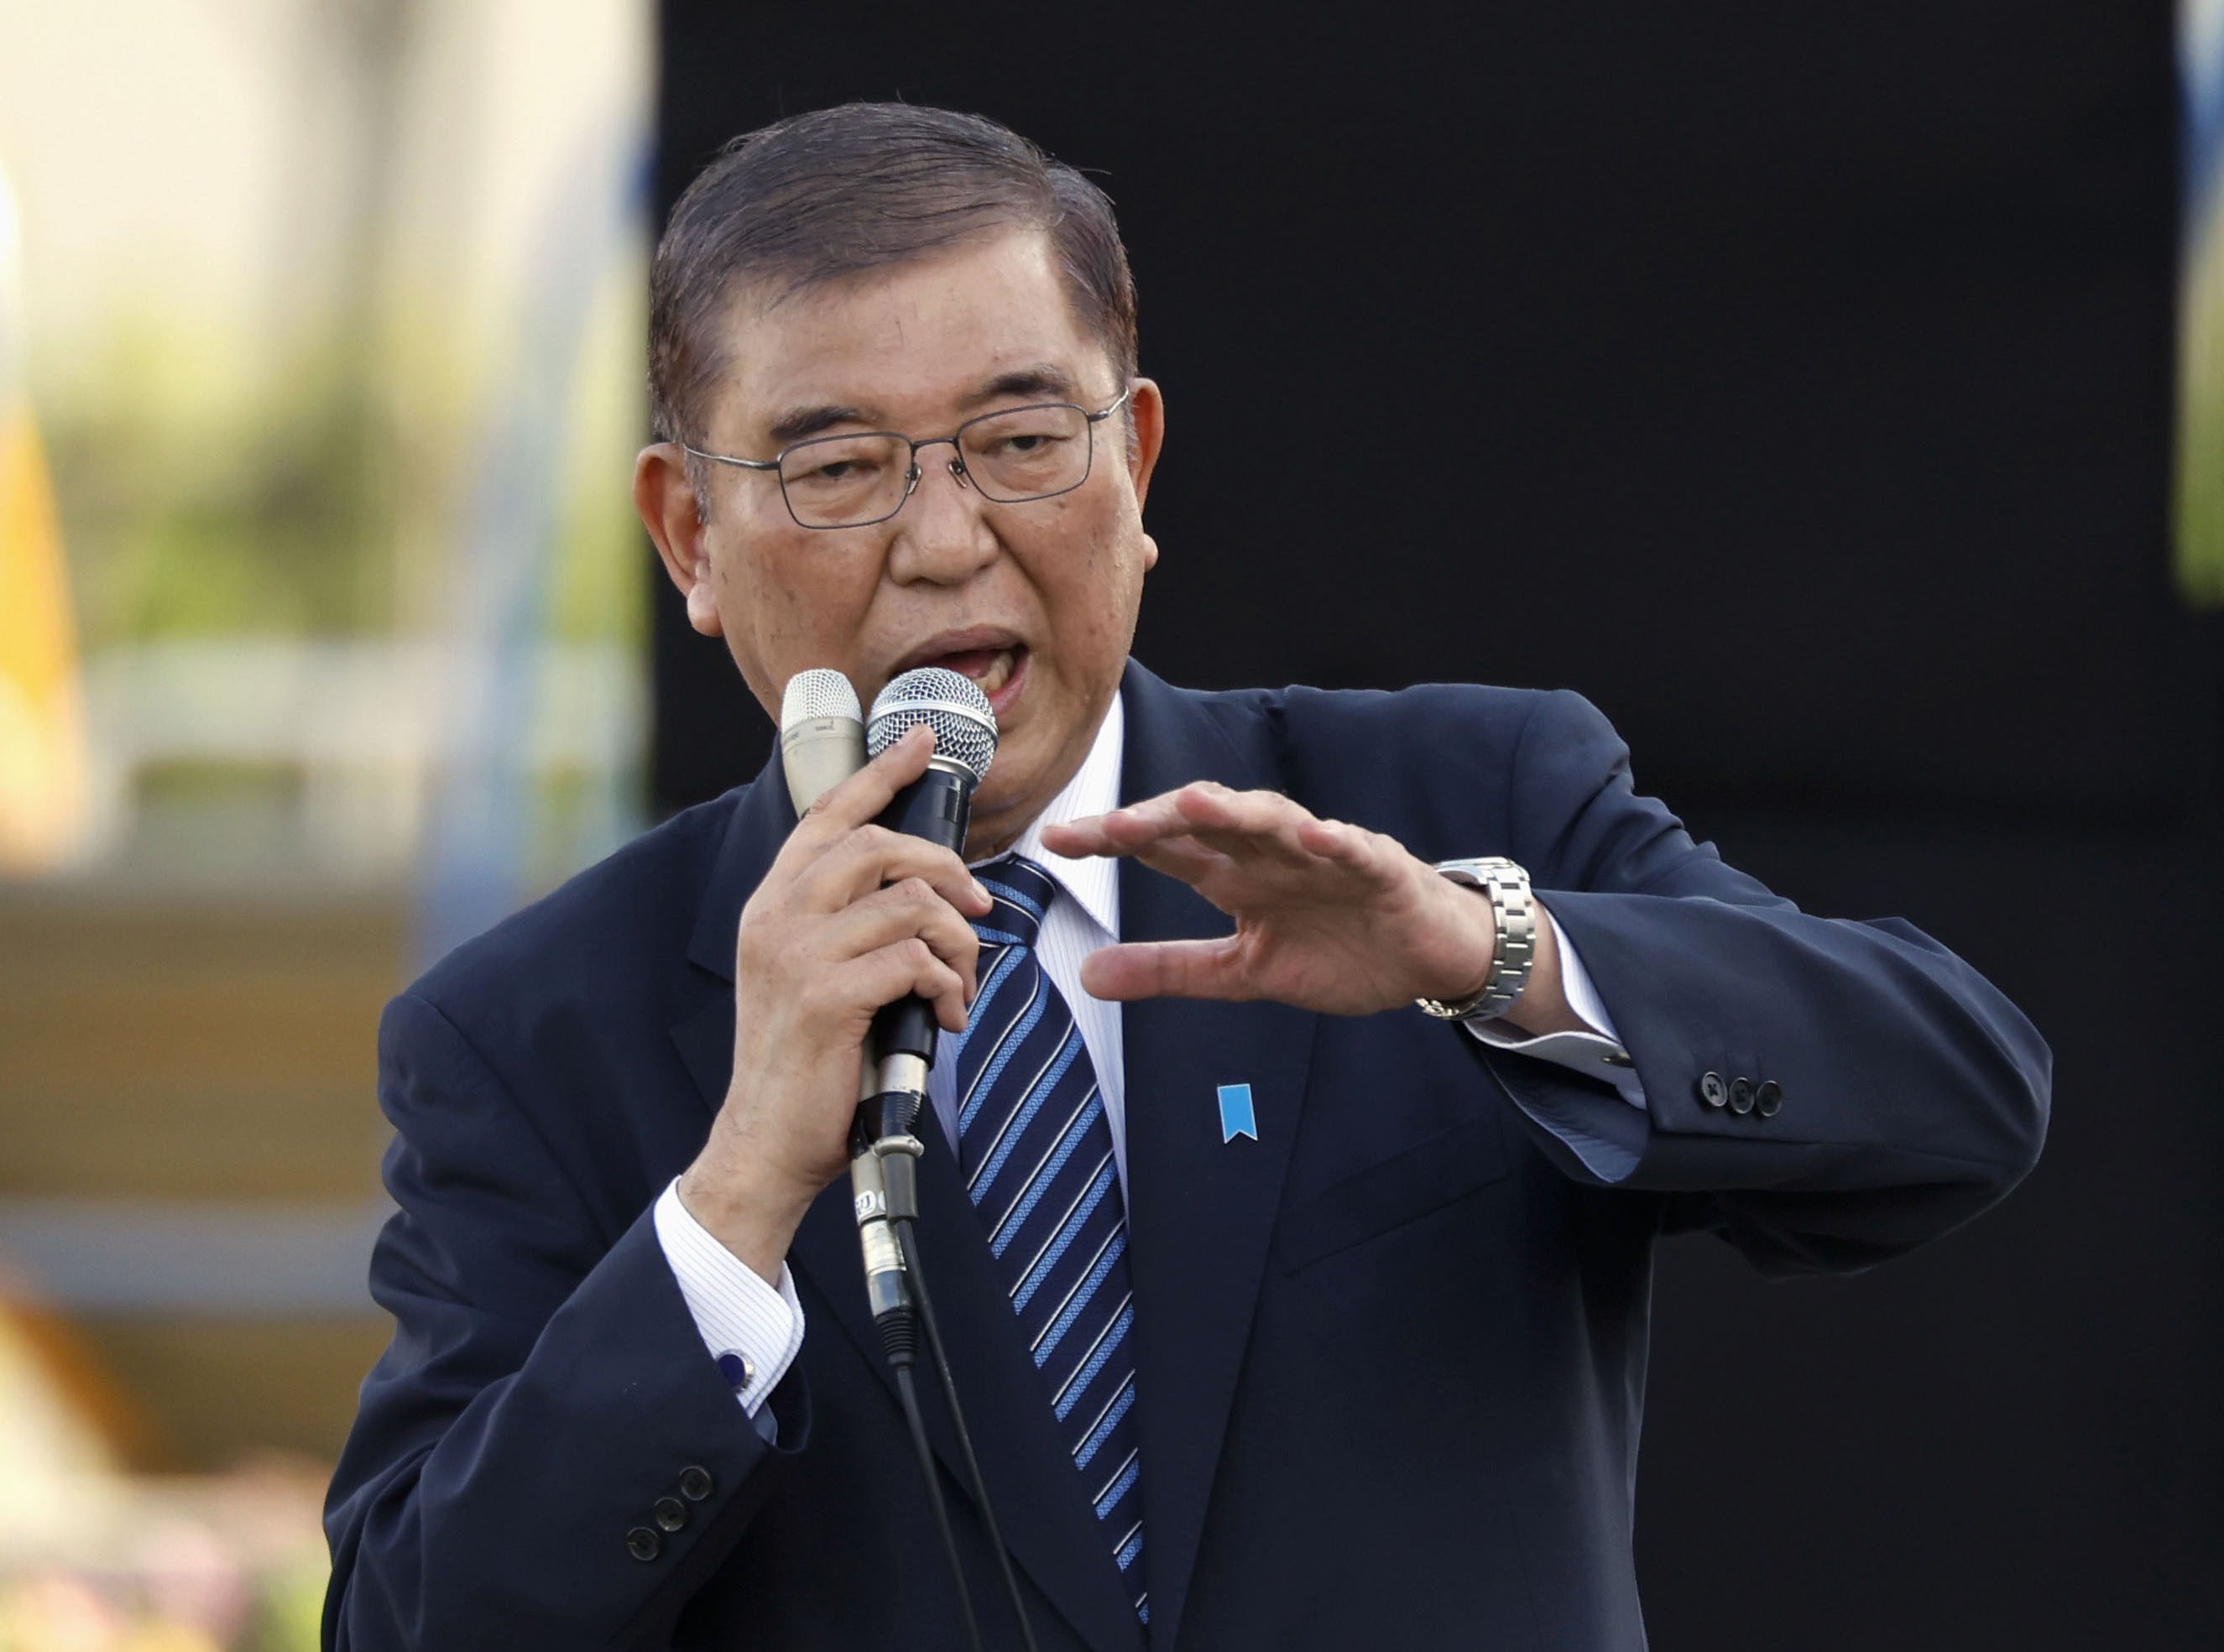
<point x="953" y="706"/>
<point x="819" y="692"/>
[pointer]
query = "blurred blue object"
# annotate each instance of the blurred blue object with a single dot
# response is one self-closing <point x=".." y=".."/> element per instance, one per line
<point x="478" y="865"/>
<point x="2201" y="71"/>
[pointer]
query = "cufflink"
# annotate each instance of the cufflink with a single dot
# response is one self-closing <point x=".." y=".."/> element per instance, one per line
<point x="736" y="1369"/>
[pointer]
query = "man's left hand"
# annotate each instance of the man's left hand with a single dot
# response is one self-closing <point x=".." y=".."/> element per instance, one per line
<point x="1329" y="917"/>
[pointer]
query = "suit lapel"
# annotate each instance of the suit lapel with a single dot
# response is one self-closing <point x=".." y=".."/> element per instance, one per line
<point x="1046" y="1520"/>
<point x="1201" y="1204"/>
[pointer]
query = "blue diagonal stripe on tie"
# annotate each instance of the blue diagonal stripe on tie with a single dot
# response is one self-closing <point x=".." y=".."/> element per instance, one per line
<point x="1130" y="1551"/>
<point x="1109" y="1344"/>
<point x="1076" y="1133"/>
<point x="1074" y="1224"/>
<point x="1103" y="1431"/>
<point x="1035" y="1146"/>
<point x="989" y="1050"/>
<point x="1118" y="1489"/>
<point x="1006" y="1043"/>
<point x="1116" y="1249"/>
<point x="1039" y="1091"/>
<point x="1033" y="908"/>
<point x="1006" y="963"/>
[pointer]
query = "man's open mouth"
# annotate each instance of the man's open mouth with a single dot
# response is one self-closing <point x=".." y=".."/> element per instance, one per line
<point x="988" y="656"/>
<point x="991" y="668"/>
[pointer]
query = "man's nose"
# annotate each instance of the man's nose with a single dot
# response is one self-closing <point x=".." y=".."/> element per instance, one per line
<point x="942" y="533"/>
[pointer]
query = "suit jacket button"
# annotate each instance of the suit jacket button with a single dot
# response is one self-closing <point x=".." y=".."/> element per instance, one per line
<point x="1741" y="1094"/>
<point x="696" y="1484"/>
<point x="1713" y="1091"/>
<point x="643" y="1544"/>
<point x="1768" y="1098"/>
<point x="671" y="1513"/>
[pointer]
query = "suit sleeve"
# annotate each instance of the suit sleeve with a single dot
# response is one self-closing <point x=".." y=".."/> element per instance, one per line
<point x="1909" y="1094"/>
<point x="545" y="1455"/>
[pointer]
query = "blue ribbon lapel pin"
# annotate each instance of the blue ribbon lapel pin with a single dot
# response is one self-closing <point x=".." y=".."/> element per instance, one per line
<point x="1237" y="1117"/>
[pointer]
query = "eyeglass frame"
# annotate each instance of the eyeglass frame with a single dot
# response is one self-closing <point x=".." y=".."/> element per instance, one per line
<point x="914" y="474"/>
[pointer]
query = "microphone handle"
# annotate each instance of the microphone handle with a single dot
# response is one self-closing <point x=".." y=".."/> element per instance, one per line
<point x="936" y="807"/>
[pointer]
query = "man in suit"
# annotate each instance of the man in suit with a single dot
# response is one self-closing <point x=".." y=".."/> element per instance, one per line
<point x="1285" y="1314"/>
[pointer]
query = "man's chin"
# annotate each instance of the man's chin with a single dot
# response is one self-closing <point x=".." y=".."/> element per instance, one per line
<point x="1011" y="795"/>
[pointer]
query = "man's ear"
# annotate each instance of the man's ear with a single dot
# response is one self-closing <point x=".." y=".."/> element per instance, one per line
<point x="1149" y="409"/>
<point x="670" y="510"/>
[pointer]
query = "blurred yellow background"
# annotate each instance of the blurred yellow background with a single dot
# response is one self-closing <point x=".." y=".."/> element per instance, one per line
<point x="319" y="647"/>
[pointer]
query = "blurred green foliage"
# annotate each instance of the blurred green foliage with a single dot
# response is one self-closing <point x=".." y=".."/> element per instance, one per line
<point x="191" y="507"/>
<point x="323" y="499"/>
<point x="2200" y="502"/>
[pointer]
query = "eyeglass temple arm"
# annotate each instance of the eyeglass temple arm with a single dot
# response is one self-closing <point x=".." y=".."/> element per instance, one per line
<point x="727" y="459"/>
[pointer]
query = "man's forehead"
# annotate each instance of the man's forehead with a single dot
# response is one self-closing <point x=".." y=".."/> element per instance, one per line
<point x="971" y="325"/>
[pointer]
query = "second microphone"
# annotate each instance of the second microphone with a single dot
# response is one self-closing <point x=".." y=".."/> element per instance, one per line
<point x="938" y="806"/>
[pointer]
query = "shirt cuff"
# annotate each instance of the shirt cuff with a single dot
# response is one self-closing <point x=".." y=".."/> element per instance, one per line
<point x="1599" y="1053"/>
<point x="752" y="1329"/>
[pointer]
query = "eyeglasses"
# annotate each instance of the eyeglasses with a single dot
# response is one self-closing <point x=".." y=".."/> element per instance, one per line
<point x="1011" y="455"/>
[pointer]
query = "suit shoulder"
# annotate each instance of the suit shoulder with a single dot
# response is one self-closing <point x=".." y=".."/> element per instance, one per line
<point x="1421" y="713"/>
<point x="608" y="929"/>
<point x="1432" y="764"/>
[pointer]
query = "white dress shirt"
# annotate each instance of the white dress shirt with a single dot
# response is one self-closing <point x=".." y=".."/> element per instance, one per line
<point x="761" y="1325"/>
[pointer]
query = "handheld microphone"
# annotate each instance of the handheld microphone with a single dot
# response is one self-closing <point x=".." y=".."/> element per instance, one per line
<point x="820" y="746"/>
<point x="938" y="807"/>
<point x="822" y="735"/>
<point x="822" y="743"/>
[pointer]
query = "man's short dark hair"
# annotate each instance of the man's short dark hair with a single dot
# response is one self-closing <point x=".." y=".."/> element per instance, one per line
<point x="817" y="196"/>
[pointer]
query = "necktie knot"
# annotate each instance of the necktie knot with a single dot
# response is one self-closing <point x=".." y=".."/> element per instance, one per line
<point x="1022" y="891"/>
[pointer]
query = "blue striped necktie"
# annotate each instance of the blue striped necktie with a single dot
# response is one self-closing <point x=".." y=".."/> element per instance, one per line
<point x="1036" y="1153"/>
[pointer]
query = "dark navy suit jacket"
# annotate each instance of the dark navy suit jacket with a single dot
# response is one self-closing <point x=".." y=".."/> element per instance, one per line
<point x="1391" y="1354"/>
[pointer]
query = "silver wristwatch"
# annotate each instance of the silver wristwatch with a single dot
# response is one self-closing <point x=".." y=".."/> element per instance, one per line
<point x="1507" y="886"/>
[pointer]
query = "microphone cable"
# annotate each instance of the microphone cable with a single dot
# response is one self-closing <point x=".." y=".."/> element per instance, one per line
<point x="907" y="1392"/>
<point x="907" y="1231"/>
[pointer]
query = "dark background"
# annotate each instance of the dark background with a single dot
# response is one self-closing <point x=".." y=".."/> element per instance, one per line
<point x="1795" y="381"/>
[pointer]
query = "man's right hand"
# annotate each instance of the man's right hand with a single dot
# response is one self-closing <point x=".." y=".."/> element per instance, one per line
<point x="850" y="916"/>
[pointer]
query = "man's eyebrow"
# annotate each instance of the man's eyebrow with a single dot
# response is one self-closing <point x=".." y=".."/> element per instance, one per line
<point x="1043" y="379"/>
<point x="1040" y="380"/>
<point x="797" y="423"/>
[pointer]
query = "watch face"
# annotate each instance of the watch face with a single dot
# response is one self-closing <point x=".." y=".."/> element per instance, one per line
<point x="1479" y="867"/>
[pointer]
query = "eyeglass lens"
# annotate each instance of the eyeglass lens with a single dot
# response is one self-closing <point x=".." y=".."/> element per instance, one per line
<point x="1012" y="456"/>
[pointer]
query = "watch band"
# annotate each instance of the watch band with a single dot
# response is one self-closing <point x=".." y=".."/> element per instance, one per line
<point x="1508" y="887"/>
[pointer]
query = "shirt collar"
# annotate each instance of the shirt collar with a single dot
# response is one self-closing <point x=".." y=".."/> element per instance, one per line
<point x="1094" y="790"/>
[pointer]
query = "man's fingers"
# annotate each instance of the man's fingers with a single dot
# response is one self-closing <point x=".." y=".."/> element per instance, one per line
<point x="1166" y="969"/>
<point x="1182" y="857"/>
<point x="1236" y="822"/>
<point x="1233" y="823"/>
<point x="871" y="789"/>
<point x="1353" y="848"/>
<point x="910" y="966"/>
<point x="871" y="855"/>
<point x="911" y="907"/>
<point x="1121" y="832"/>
